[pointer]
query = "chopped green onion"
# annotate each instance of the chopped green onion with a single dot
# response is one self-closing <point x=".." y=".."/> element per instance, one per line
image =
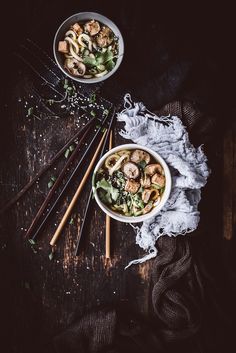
<point x="32" y="241"/>
<point x="51" y="255"/>
<point x="30" y="111"/>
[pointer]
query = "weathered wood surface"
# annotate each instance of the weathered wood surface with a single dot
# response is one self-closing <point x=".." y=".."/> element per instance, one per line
<point x="48" y="295"/>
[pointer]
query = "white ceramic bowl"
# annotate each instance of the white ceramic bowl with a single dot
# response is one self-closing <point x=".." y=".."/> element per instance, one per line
<point x="81" y="17"/>
<point x="156" y="209"/>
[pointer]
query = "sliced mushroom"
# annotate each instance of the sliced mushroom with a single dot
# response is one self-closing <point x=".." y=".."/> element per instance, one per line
<point x="104" y="37"/>
<point x="117" y="164"/>
<point x="92" y="27"/>
<point x="130" y="170"/>
<point x="145" y="181"/>
<point x="159" y="180"/>
<point x="75" y="67"/>
<point x="151" y="169"/>
<point x="139" y="155"/>
<point x="132" y="186"/>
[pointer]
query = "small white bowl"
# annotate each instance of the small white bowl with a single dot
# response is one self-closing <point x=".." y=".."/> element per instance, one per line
<point x="156" y="209"/>
<point x="81" y="17"/>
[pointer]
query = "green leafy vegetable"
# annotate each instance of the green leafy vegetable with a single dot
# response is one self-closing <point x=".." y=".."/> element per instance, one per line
<point x="108" y="55"/>
<point x="90" y="62"/>
<point x="111" y="193"/>
<point x="110" y="65"/>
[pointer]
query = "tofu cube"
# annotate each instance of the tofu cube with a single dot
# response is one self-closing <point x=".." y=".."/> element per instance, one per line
<point x="63" y="47"/>
<point x="77" y="29"/>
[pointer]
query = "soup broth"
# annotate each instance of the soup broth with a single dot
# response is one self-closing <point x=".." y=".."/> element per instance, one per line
<point x="130" y="182"/>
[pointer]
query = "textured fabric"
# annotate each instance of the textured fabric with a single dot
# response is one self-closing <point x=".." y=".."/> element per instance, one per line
<point x="167" y="136"/>
<point x="93" y="332"/>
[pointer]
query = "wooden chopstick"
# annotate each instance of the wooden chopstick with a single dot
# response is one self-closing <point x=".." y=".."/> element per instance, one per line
<point x="77" y="193"/>
<point x="108" y="219"/>
<point x="45" y="168"/>
<point x="56" y="184"/>
<point x="90" y="198"/>
<point x="50" y="210"/>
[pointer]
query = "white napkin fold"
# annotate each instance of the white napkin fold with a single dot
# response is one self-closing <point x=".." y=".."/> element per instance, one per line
<point x="188" y="166"/>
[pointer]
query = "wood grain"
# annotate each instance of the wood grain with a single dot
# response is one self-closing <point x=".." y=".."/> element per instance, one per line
<point x="229" y="170"/>
<point x="49" y="294"/>
<point x="108" y="220"/>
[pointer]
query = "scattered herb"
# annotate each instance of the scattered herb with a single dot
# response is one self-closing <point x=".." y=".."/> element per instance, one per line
<point x="67" y="153"/>
<point x="93" y="113"/>
<point x="92" y="98"/>
<point x="71" y="221"/>
<point x="65" y="83"/>
<point x="51" y="255"/>
<point x="32" y="241"/>
<point x="51" y="101"/>
<point x="51" y="182"/>
<point x="105" y="112"/>
<point x="69" y="150"/>
<point x="30" y="111"/>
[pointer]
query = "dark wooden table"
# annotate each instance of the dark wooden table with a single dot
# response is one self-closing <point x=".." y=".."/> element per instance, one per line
<point x="46" y="294"/>
<point x="40" y="297"/>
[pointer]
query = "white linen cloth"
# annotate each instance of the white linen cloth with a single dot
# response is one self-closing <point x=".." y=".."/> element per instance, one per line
<point x="188" y="166"/>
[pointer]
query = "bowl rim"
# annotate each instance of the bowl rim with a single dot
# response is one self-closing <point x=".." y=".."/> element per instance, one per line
<point x="120" y="54"/>
<point x="156" y="210"/>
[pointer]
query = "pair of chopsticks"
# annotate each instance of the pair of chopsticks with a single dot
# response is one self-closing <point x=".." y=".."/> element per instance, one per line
<point x="90" y="198"/>
<point x="35" y="223"/>
<point x="46" y="167"/>
<point x="77" y="193"/>
<point x="108" y="220"/>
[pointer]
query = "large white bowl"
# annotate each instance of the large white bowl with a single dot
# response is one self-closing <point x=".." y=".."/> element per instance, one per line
<point x="156" y="209"/>
<point x="86" y="16"/>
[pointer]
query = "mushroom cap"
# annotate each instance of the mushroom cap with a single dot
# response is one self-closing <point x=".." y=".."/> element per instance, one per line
<point x="139" y="155"/>
<point x="131" y="170"/>
<point x="75" y="67"/>
<point x="92" y="27"/>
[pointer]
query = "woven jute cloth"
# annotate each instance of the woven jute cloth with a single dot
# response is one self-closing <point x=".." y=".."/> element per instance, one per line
<point x="199" y="124"/>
